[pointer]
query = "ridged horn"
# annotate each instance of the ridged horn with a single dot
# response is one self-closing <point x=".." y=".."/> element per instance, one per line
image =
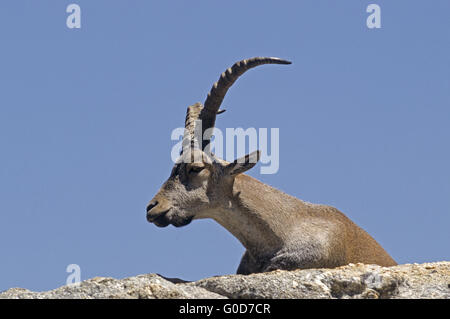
<point x="219" y="89"/>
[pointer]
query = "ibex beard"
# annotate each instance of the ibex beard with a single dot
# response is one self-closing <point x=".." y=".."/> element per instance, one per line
<point x="278" y="231"/>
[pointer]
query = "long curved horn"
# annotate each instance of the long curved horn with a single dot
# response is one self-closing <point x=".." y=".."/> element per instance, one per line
<point x="190" y="137"/>
<point x="192" y="115"/>
<point x="220" y="88"/>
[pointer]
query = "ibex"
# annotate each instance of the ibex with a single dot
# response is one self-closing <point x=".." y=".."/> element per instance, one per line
<point x="278" y="231"/>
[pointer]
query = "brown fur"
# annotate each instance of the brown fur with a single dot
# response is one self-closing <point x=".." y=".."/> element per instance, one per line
<point x="279" y="231"/>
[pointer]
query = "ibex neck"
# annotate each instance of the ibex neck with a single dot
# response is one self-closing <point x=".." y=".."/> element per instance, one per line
<point x="257" y="215"/>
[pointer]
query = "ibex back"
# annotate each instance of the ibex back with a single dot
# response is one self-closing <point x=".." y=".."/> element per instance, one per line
<point x="278" y="231"/>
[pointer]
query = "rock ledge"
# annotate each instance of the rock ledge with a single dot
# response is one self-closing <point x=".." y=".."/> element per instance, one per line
<point x="428" y="280"/>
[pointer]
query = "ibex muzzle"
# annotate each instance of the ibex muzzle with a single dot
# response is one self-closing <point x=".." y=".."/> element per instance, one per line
<point x="279" y="231"/>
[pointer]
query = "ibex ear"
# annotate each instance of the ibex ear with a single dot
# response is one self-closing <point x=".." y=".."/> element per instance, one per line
<point x="243" y="164"/>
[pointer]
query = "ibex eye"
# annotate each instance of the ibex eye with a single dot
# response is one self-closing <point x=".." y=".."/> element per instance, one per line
<point x="195" y="169"/>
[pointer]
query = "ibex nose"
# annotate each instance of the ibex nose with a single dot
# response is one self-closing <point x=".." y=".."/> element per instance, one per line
<point x="149" y="208"/>
<point x="151" y="205"/>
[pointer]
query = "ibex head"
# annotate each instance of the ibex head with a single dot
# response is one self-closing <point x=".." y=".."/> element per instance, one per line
<point x="200" y="181"/>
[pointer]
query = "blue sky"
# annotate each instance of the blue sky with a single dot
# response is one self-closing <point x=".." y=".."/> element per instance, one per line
<point x="86" y="117"/>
